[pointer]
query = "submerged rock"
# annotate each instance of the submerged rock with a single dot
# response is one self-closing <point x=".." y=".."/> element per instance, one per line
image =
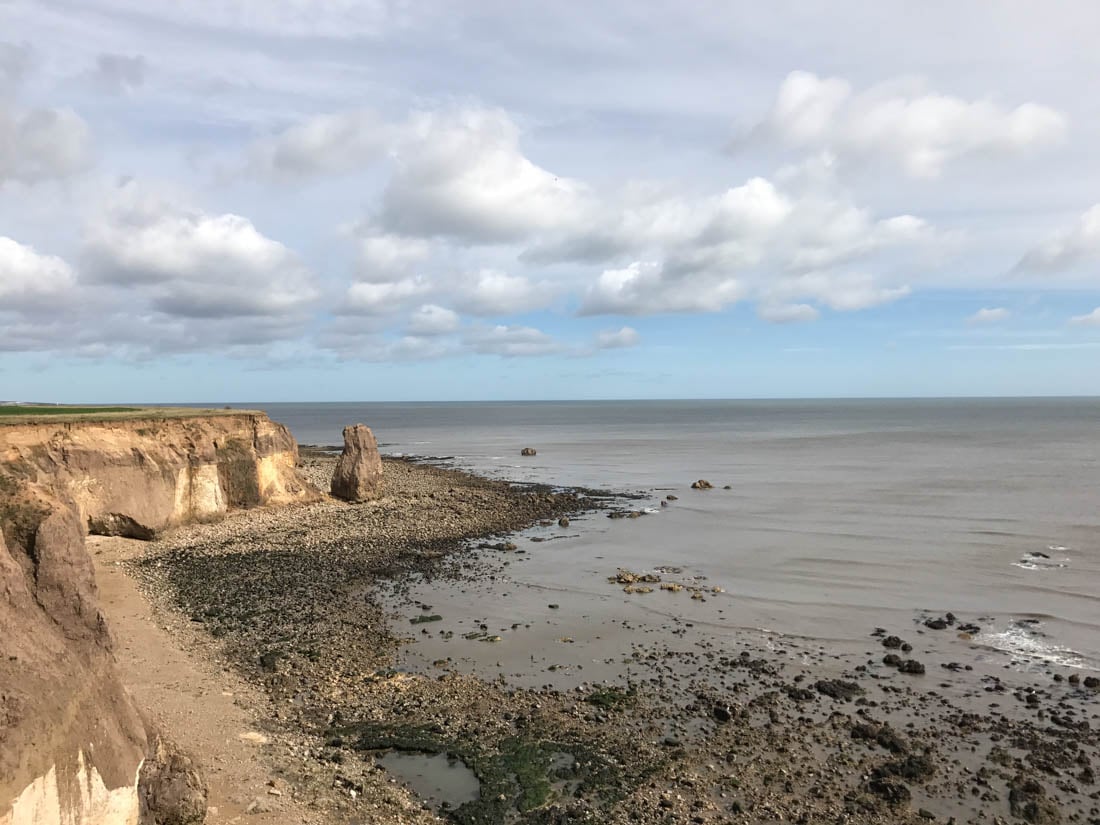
<point x="528" y="451"/>
<point x="358" y="474"/>
<point x="702" y="484"/>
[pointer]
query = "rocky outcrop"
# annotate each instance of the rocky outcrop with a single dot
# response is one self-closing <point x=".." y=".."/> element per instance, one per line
<point x="73" y="748"/>
<point x="71" y="741"/>
<point x="358" y="474"/>
<point x="137" y="476"/>
<point x="170" y="788"/>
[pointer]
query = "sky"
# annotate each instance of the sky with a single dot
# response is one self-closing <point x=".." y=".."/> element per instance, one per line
<point x="290" y="200"/>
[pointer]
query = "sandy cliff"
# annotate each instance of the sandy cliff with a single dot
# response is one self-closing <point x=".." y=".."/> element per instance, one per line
<point x="72" y="744"/>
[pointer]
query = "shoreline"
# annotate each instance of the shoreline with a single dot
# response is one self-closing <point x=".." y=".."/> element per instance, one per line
<point x="749" y="731"/>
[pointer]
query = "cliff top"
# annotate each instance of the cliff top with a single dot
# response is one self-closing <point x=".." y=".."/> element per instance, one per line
<point x="47" y="414"/>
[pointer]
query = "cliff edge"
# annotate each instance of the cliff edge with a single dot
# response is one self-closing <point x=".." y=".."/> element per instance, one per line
<point x="73" y="748"/>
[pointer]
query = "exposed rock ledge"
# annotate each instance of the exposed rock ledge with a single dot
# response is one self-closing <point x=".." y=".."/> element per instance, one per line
<point x="72" y="744"/>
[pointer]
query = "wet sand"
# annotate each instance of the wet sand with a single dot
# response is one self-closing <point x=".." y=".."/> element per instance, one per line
<point x="379" y="627"/>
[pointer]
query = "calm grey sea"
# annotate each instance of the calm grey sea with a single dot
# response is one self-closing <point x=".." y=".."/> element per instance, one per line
<point x="843" y="515"/>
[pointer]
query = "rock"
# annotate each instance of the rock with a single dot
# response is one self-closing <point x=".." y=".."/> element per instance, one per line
<point x="1027" y="800"/>
<point x="702" y="484"/>
<point x="722" y="713"/>
<point x="892" y="642"/>
<point x="936" y="624"/>
<point x="892" y="660"/>
<point x="839" y="689"/>
<point x="358" y="475"/>
<point x="1092" y="682"/>
<point x="890" y="790"/>
<point x="911" y="666"/>
<point x="671" y="497"/>
<point x="172" y="791"/>
<point x="528" y="451"/>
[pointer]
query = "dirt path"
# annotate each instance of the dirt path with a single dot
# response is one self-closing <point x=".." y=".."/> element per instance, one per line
<point x="202" y="707"/>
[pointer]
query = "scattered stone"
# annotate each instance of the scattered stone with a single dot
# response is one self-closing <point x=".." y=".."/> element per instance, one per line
<point x="893" y="642"/>
<point x="1027" y="800"/>
<point x="839" y="689"/>
<point x="911" y="666"/>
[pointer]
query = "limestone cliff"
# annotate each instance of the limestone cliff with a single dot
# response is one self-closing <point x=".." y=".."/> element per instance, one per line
<point x="136" y="476"/>
<point x="72" y="744"/>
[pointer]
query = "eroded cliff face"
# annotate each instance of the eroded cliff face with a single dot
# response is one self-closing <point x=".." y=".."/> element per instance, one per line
<point x="134" y="477"/>
<point x="72" y="744"/>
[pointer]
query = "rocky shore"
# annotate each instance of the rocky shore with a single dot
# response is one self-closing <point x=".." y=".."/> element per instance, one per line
<point x="752" y="729"/>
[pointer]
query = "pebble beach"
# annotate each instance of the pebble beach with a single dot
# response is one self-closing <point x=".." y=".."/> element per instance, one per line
<point x="314" y="606"/>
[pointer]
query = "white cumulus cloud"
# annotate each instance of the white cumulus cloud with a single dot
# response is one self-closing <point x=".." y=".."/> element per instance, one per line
<point x="325" y="144"/>
<point x="1067" y="249"/>
<point x="1091" y="319"/>
<point x="921" y="130"/>
<point x="989" y="315"/>
<point x="192" y="264"/>
<point x="511" y="341"/>
<point x="27" y="276"/>
<point x="462" y="175"/>
<point x="432" y="320"/>
<point x="617" y="338"/>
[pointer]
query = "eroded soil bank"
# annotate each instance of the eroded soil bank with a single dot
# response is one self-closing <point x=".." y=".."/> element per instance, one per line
<point x="746" y="729"/>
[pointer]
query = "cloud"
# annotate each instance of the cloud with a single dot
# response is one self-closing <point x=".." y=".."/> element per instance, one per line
<point x="989" y="315"/>
<point x="16" y="60"/>
<point x="326" y="144"/>
<point x="118" y="74"/>
<point x="191" y="264"/>
<point x="511" y="341"/>
<point x="922" y="131"/>
<point x="462" y="175"/>
<point x="1067" y="249"/>
<point x="383" y="297"/>
<point x="28" y="277"/>
<point x="1091" y="319"/>
<point x="642" y="288"/>
<point x="844" y="291"/>
<point x="432" y="320"/>
<point x="787" y="313"/>
<point x="491" y="292"/>
<point x="285" y="22"/>
<point x="383" y="255"/>
<point x="41" y="144"/>
<point x="617" y="338"/>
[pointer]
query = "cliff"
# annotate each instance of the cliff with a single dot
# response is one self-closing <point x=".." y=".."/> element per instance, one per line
<point x="135" y="476"/>
<point x="73" y="748"/>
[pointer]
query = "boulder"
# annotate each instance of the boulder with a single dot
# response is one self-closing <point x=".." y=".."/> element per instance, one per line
<point x="358" y="475"/>
<point x="170" y="788"/>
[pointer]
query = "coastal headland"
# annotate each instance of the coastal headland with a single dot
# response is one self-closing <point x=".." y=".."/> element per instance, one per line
<point x="281" y="629"/>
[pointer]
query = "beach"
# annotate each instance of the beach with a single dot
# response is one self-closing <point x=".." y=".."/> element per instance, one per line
<point x="396" y="665"/>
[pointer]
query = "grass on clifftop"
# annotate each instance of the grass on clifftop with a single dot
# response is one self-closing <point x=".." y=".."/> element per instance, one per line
<point x="20" y="414"/>
<point x="17" y="409"/>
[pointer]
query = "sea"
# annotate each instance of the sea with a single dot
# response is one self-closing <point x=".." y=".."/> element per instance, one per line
<point x="827" y="518"/>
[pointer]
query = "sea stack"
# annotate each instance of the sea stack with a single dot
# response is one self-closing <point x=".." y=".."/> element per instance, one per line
<point x="358" y="475"/>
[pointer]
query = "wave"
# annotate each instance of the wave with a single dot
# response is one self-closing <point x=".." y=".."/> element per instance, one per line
<point x="1025" y="638"/>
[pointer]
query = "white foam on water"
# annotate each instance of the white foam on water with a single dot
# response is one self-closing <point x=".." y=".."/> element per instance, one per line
<point x="1024" y="640"/>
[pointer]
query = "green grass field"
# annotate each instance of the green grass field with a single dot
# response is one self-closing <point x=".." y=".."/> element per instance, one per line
<point x="15" y="409"/>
